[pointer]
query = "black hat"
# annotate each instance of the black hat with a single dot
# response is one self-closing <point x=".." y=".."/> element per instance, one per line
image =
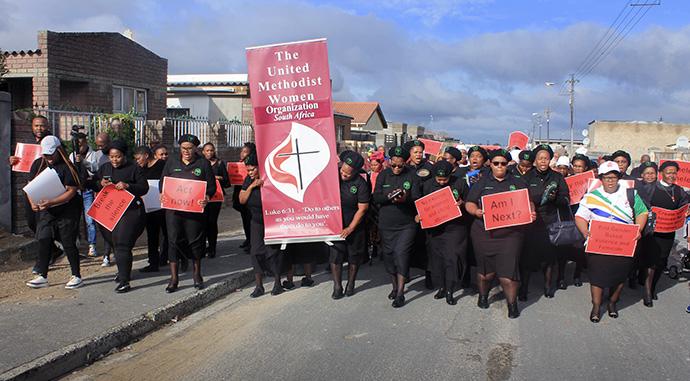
<point x="352" y="158"/>
<point x="526" y="155"/>
<point x="119" y="145"/>
<point x="251" y="160"/>
<point x="442" y="169"/>
<point x="412" y="143"/>
<point x="667" y="164"/>
<point x="80" y="135"/>
<point x="478" y="149"/>
<point x="399" y="151"/>
<point x="500" y="153"/>
<point x="584" y="158"/>
<point x="621" y="153"/>
<point x="648" y="164"/>
<point x="454" y="152"/>
<point x="189" y="138"/>
<point x="542" y="147"/>
<point x="251" y="146"/>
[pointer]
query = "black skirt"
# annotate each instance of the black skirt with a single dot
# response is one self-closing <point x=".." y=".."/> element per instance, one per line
<point x="352" y="250"/>
<point x="264" y="257"/>
<point x="447" y="253"/>
<point x="656" y="249"/>
<point x="538" y="249"/>
<point x="607" y="270"/>
<point x="396" y="247"/>
<point x="497" y="251"/>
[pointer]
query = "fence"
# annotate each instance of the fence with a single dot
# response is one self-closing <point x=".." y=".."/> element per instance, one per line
<point x="198" y="127"/>
<point x="62" y="122"/>
<point x="237" y="134"/>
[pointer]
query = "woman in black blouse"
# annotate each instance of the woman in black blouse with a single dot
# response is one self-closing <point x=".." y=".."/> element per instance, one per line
<point x="212" y="210"/>
<point x="155" y="221"/>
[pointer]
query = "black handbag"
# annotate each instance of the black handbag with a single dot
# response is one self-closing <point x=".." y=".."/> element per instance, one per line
<point x="563" y="233"/>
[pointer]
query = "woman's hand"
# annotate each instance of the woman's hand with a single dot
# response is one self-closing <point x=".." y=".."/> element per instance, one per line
<point x="121" y="186"/>
<point x="204" y="202"/>
<point x="162" y="198"/>
<point x="346" y="232"/>
<point x="105" y="183"/>
<point x="45" y="204"/>
<point x="458" y="203"/>
<point x="401" y="197"/>
<point x="258" y="183"/>
<point x="417" y="219"/>
<point x="479" y="213"/>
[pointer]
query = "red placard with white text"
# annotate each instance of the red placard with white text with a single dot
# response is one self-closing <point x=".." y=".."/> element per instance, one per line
<point x="432" y="147"/>
<point x="683" y="176"/>
<point x="668" y="221"/>
<point x="518" y="139"/>
<point x="237" y="173"/>
<point x="437" y="207"/>
<point x="506" y="209"/>
<point x="577" y="184"/>
<point x="612" y="238"/>
<point x="109" y="206"/>
<point x="183" y="194"/>
<point x="27" y="154"/>
<point x="295" y="139"/>
<point x="218" y="196"/>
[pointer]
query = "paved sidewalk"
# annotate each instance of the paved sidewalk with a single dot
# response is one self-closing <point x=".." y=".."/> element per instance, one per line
<point x="44" y="338"/>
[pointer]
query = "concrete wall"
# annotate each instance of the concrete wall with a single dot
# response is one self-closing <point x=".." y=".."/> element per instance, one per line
<point x="637" y="138"/>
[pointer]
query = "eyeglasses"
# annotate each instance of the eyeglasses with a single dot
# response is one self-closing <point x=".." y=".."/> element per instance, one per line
<point x="499" y="163"/>
<point x="397" y="165"/>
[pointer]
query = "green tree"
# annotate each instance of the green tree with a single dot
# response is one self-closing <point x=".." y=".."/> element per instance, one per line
<point x="3" y="66"/>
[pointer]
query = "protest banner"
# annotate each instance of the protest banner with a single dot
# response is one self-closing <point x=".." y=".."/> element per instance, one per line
<point x="668" y="221"/>
<point x="436" y="208"/>
<point x="293" y="126"/>
<point x="518" y="139"/>
<point x="431" y="147"/>
<point x="109" y="206"/>
<point x="183" y="194"/>
<point x="45" y="186"/>
<point x="506" y="209"/>
<point x="27" y="154"/>
<point x="151" y="201"/>
<point x="577" y="184"/>
<point x="237" y="173"/>
<point x="218" y="196"/>
<point x="683" y="177"/>
<point x="612" y="238"/>
<point x="594" y="183"/>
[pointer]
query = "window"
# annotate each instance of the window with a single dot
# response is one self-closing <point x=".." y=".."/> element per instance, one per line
<point x="126" y="99"/>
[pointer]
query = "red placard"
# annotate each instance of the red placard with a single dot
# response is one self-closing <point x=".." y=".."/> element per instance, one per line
<point x="612" y="238"/>
<point x="109" y="206"/>
<point x="683" y="178"/>
<point x="183" y="194"/>
<point x="27" y="154"/>
<point x="437" y="207"/>
<point x="518" y="139"/>
<point x="668" y="221"/>
<point x="374" y="176"/>
<point x="577" y="184"/>
<point x="506" y="209"/>
<point x="293" y="126"/>
<point x="218" y="196"/>
<point x="432" y="147"/>
<point x="237" y="173"/>
<point x="595" y="183"/>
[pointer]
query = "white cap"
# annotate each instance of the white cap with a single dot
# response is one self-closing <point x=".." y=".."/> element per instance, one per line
<point x="581" y="151"/>
<point x="461" y="147"/>
<point x="563" y="160"/>
<point x="608" y="166"/>
<point x="49" y="144"/>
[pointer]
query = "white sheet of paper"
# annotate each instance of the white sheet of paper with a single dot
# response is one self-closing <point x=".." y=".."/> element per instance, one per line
<point x="151" y="201"/>
<point x="46" y="186"/>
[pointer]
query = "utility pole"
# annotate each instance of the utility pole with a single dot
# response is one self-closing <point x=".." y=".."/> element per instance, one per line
<point x="572" y="82"/>
<point x="539" y="120"/>
<point x="548" y="117"/>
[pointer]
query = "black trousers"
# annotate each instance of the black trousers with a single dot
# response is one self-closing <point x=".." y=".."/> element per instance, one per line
<point x="156" y="237"/>
<point x="212" y="211"/>
<point x="124" y="236"/>
<point x="48" y="228"/>
<point x="186" y="234"/>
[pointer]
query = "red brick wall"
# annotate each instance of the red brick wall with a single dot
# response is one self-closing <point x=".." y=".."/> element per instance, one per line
<point x="21" y="132"/>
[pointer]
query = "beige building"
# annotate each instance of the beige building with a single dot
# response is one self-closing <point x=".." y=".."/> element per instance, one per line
<point x="637" y="138"/>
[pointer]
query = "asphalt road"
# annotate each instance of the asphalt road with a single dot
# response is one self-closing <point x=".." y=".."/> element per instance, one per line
<point x="304" y="334"/>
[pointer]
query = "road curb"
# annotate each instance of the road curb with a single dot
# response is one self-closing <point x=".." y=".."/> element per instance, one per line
<point x="73" y="356"/>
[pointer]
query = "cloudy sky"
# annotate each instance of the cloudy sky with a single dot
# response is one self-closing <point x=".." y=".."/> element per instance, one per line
<point x="473" y="68"/>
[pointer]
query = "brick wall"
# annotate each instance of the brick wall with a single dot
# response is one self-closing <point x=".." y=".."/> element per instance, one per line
<point x="21" y="132"/>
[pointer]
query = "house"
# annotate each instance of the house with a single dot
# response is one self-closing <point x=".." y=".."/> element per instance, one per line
<point x="213" y="96"/>
<point x="661" y="139"/>
<point x="368" y="123"/>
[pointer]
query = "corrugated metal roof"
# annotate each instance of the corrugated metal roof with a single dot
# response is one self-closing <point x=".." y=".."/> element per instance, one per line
<point x="208" y="79"/>
<point x="361" y="111"/>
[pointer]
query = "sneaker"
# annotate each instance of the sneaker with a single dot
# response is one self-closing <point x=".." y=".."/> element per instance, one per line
<point x="307" y="282"/>
<point x="38" y="282"/>
<point x="687" y="310"/>
<point x="74" y="282"/>
<point x="106" y="262"/>
<point x="92" y="251"/>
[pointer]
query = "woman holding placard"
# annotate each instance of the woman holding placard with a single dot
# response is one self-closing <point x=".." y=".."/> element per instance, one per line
<point x="212" y="210"/>
<point x="156" y="233"/>
<point x="609" y="203"/>
<point x="60" y="214"/>
<point x="657" y="246"/>
<point x="580" y="164"/>
<point x="125" y="176"/>
<point x="497" y="251"/>
<point x="248" y="149"/>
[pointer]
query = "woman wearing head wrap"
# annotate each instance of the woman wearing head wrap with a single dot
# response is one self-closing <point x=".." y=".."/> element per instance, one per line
<point x="645" y="186"/>
<point x="623" y="160"/>
<point x="58" y="217"/>
<point x="418" y="163"/>
<point x="264" y="257"/>
<point x="187" y="230"/>
<point x="524" y="164"/>
<point x="610" y="203"/>
<point x="212" y="210"/>
<point x="248" y="149"/>
<point x="548" y="191"/>
<point x="657" y="246"/>
<point x="453" y="156"/>
<point x="396" y="190"/>
<point x="447" y="242"/>
<point x="155" y="221"/>
<point x="126" y="176"/>
<point x="354" y="202"/>
<point x="497" y="251"/>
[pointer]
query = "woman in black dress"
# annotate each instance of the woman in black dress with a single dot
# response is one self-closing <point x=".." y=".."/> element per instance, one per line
<point x="580" y="164"/>
<point x="212" y="210"/>
<point x="497" y="251"/>
<point x="125" y="175"/>
<point x="248" y="149"/>
<point x="264" y="257"/>
<point x="155" y="221"/>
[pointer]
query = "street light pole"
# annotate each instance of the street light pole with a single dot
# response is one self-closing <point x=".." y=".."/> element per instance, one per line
<point x="539" y="121"/>
<point x="548" y="117"/>
<point x="571" y="90"/>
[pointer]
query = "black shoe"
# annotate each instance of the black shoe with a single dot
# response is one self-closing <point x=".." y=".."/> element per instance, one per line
<point x="513" y="311"/>
<point x="211" y="253"/>
<point x="440" y="294"/>
<point x="392" y="295"/>
<point x="522" y="295"/>
<point x="450" y="299"/>
<point x="594" y="316"/>
<point x="655" y="297"/>
<point x="244" y="244"/>
<point x="258" y="291"/>
<point x="277" y="290"/>
<point x="199" y="284"/>
<point x="184" y="265"/>
<point x="307" y="282"/>
<point x="577" y="282"/>
<point x="548" y="292"/>
<point x="561" y="284"/>
<point x="172" y="287"/>
<point x="428" y="283"/>
<point x="483" y="301"/>
<point x="647" y="301"/>
<point x="399" y="301"/>
<point x="123" y="287"/>
<point x="613" y="311"/>
<point x="337" y="294"/>
<point x="349" y="290"/>
<point x="288" y="285"/>
<point x="149" y="269"/>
